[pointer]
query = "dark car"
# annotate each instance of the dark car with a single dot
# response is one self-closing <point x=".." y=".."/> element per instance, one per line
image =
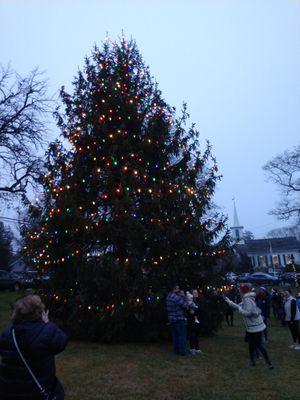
<point x="262" y="278"/>
<point x="34" y="278"/>
<point x="22" y="278"/>
<point x="7" y="281"/>
<point x="288" y="277"/>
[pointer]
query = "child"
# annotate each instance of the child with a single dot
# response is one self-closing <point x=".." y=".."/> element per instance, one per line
<point x="193" y="325"/>
<point x="190" y="300"/>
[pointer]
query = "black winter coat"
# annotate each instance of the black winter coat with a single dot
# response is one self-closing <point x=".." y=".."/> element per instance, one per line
<point x="264" y="303"/>
<point x="39" y="342"/>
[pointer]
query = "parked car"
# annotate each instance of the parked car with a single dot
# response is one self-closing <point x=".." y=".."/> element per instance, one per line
<point x="289" y="277"/>
<point x="34" y="277"/>
<point x="274" y="273"/>
<point x="25" y="280"/>
<point x="7" y="281"/>
<point x="243" y="277"/>
<point x="261" y="278"/>
<point x="231" y="277"/>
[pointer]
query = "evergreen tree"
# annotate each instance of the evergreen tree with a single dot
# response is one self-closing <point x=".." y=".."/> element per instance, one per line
<point x="6" y="238"/>
<point x="127" y="210"/>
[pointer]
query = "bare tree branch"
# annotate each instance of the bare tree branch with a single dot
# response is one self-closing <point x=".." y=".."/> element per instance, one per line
<point x="284" y="171"/>
<point x="24" y="108"/>
<point x="284" y="232"/>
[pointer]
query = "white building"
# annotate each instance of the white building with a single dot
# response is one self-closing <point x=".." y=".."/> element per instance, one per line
<point x="270" y="253"/>
<point x="237" y="228"/>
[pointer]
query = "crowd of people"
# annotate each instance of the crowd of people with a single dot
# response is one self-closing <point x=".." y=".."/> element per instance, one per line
<point x="29" y="344"/>
<point x="185" y="313"/>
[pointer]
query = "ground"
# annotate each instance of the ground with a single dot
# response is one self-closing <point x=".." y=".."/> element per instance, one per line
<point x="92" y="371"/>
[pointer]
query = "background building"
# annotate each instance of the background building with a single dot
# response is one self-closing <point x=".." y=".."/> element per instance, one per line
<point x="269" y="253"/>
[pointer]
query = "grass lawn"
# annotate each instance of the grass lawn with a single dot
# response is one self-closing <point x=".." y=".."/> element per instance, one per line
<point x="91" y="371"/>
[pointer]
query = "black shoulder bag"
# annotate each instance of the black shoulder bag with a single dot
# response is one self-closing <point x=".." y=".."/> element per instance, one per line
<point x="43" y="392"/>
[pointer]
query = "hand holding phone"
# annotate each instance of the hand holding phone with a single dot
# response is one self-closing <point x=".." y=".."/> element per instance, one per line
<point x="45" y="316"/>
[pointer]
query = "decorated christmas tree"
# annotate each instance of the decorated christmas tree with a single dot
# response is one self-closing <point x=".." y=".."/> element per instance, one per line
<point x="127" y="206"/>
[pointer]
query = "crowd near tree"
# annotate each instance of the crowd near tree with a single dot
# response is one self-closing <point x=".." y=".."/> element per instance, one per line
<point x="186" y="316"/>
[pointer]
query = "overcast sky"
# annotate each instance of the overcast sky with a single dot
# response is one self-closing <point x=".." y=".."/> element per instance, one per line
<point x="235" y="62"/>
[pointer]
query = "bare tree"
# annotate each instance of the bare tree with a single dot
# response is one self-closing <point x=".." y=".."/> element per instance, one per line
<point x="248" y="235"/>
<point x="284" y="232"/>
<point x="284" y="171"/>
<point x="24" y="106"/>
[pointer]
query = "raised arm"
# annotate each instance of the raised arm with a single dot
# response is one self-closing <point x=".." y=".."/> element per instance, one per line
<point x="247" y="310"/>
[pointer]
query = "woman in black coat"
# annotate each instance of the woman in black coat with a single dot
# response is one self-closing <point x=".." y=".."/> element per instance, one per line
<point x="39" y="341"/>
<point x="194" y="320"/>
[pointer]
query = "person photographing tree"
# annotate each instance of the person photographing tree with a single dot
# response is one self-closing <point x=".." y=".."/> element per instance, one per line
<point x="253" y="322"/>
<point x="28" y="347"/>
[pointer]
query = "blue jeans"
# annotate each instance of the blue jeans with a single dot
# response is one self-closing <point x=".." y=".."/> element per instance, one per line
<point x="179" y="337"/>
